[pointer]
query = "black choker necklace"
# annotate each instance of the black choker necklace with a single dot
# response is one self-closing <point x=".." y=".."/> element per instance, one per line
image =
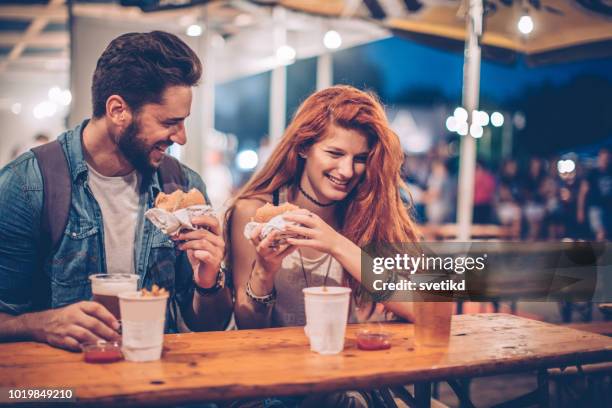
<point x="313" y="200"/>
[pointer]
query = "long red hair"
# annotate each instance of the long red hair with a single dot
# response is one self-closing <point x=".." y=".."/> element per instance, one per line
<point x="373" y="212"/>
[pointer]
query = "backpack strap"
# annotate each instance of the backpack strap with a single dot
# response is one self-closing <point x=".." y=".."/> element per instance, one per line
<point x="57" y="195"/>
<point x="171" y="175"/>
<point x="57" y="192"/>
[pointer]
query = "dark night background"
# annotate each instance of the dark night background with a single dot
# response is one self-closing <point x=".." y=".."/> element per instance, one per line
<point x="568" y="106"/>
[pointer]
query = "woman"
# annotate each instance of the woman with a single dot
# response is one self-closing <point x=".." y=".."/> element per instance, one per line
<point x="340" y="163"/>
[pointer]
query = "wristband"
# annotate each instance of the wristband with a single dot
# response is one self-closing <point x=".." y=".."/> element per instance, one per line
<point x="268" y="299"/>
<point x="219" y="284"/>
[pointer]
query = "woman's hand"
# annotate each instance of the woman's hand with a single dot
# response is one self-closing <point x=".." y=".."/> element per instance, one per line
<point x="315" y="233"/>
<point x="269" y="258"/>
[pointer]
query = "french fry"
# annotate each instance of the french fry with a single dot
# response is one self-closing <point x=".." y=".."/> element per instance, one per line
<point x="154" y="292"/>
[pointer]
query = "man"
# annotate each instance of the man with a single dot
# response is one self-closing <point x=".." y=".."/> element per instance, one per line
<point x="141" y="95"/>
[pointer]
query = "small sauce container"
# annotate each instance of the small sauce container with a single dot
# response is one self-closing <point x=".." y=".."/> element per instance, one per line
<point x="102" y="352"/>
<point x="373" y="340"/>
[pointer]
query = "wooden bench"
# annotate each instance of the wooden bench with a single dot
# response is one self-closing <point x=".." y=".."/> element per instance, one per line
<point x="582" y="385"/>
<point x="478" y="231"/>
<point x="603" y="328"/>
<point x="591" y="377"/>
<point x="580" y="370"/>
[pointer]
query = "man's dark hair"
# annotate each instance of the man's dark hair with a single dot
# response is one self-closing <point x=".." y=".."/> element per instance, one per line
<point x="140" y="66"/>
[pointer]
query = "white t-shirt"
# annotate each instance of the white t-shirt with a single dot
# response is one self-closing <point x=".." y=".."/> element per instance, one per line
<point x="118" y="199"/>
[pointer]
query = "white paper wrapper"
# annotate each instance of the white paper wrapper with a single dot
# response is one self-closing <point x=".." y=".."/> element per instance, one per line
<point x="275" y="224"/>
<point x="172" y="223"/>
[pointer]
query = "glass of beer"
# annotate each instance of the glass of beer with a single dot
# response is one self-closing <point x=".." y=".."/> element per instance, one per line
<point x="432" y="323"/>
<point x="106" y="288"/>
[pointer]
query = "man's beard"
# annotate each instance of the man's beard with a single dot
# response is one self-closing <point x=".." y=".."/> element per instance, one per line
<point x="136" y="150"/>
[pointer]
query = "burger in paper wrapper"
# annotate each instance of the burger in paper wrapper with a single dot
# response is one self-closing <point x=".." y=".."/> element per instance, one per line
<point x="269" y="211"/>
<point x="271" y="217"/>
<point x="179" y="200"/>
<point x="173" y="212"/>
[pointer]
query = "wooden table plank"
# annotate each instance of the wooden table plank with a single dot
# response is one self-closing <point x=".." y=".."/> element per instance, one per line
<point x="255" y="363"/>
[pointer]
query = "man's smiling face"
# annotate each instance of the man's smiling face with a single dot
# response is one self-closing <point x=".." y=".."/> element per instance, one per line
<point x="155" y="127"/>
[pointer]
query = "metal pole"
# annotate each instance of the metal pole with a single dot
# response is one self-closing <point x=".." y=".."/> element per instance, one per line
<point x="204" y="102"/>
<point x="471" y="90"/>
<point x="278" y="81"/>
<point x="208" y="93"/>
<point x="324" y="71"/>
<point x="278" y="103"/>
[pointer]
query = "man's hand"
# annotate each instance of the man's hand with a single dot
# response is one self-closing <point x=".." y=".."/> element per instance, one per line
<point x="76" y="324"/>
<point x="205" y="248"/>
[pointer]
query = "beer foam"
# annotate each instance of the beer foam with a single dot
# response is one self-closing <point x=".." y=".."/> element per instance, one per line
<point x="110" y="288"/>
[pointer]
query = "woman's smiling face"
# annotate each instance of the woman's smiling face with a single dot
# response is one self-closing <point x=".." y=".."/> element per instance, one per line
<point x="335" y="164"/>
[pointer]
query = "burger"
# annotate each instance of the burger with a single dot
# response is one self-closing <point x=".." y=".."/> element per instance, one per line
<point x="179" y="199"/>
<point x="269" y="211"/>
<point x="270" y="216"/>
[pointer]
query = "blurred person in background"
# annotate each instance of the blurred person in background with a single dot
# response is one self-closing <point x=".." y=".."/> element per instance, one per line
<point x="554" y="218"/>
<point x="595" y="197"/>
<point x="569" y="190"/>
<point x="484" y="194"/>
<point x="509" y="177"/>
<point x="507" y="210"/>
<point x="536" y="172"/>
<point x="534" y="209"/>
<point x="439" y="194"/>
<point x="38" y="140"/>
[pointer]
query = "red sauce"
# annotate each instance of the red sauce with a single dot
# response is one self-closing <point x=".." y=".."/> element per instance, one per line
<point x="103" y="355"/>
<point x="373" y="341"/>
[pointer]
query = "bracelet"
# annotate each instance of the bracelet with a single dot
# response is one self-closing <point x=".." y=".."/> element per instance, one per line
<point x="219" y="284"/>
<point x="268" y="299"/>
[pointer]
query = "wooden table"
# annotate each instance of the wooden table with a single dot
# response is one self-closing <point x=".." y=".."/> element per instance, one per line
<point x="275" y="362"/>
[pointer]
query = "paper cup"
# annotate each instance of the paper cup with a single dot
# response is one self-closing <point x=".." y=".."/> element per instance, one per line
<point x="326" y="317"/>
<point x="143" y="319"/>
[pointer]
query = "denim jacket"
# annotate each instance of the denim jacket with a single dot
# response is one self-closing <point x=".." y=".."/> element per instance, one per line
<point x="80" y="252"/>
